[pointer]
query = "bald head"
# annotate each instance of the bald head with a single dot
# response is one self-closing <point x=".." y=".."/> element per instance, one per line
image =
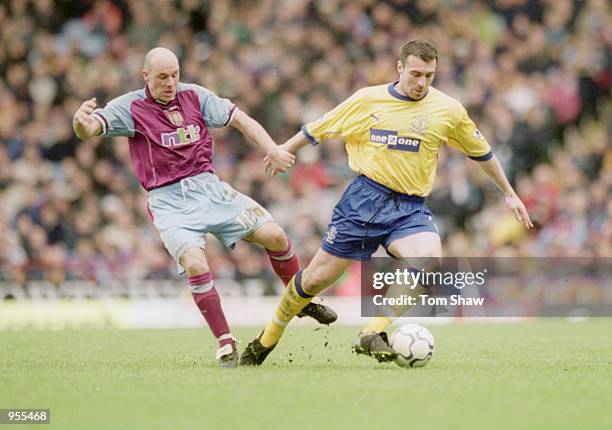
<point x="159" y="55"/>
<point x="161" y="73"/>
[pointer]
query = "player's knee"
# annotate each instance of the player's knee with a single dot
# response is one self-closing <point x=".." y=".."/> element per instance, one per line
<point x="427" y="246"/>
<point x="434" y="250"/>
<point x="430" y="253"/>
<point x="276" y="240"/>
<point x="195" y="265"/>
<point x="196" y="268"/>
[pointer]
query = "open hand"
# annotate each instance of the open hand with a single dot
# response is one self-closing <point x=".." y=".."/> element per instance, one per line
<point x="520" y="213"/>
<point x="279" y="161"/>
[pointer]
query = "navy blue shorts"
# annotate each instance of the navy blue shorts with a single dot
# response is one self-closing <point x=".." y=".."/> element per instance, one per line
<point x="370" y="214"/>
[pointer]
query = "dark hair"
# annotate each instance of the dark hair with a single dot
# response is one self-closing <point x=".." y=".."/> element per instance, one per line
<point x="419" y="48"/>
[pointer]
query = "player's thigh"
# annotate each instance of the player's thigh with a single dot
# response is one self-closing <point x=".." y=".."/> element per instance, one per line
<point x="178" y="240"/>
<point x="421" y="244"/>
<point x="323" y="271"/>
<point x="239" y="219"/>
<point x="194" y="261"/>
<point x="269" y="235"/>
<point x="187" y="248"/>
<point x="178" y="220"/>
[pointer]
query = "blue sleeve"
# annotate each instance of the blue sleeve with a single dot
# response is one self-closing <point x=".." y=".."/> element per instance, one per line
<point x="116" y="117"/>
<point x="216" y="111"/>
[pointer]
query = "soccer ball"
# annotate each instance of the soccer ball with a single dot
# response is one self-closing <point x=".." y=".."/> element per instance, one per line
<point x="414" y="345"/>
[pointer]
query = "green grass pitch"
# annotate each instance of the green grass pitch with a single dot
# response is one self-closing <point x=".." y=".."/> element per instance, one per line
<point x="549" y="374"/>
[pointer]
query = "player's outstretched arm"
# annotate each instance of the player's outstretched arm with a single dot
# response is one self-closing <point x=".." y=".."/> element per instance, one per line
<point x="494" y="170"/>
<point x="297" y="142"/>
<point x="280" y="159"/>
<point x="292" y="146"/>
<point x="85" y="125"/>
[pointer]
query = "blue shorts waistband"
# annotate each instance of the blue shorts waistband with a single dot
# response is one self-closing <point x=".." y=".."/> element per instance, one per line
<point x="407" y="197"/>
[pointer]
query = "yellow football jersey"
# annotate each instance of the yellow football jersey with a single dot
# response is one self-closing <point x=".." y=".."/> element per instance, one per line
<point x="394" y="140"/>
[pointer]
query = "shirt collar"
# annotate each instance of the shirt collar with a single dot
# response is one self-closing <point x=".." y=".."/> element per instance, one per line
<point x="397" y="95"/>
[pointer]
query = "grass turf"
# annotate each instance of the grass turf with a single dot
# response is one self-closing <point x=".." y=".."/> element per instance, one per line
<point x="546" y="374"/>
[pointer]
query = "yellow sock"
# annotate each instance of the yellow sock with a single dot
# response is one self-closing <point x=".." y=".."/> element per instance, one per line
<point x="380" y="323"/>
<point x="291" y="303"/>
<point x="398" y="291"/>
<point x="377" y="324"/>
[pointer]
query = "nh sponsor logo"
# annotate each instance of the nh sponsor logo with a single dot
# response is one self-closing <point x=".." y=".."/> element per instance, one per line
<point x="182" y="136"/>
<point x="393" y="141"/>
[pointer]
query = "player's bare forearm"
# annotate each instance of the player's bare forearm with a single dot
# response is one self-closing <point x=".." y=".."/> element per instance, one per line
<point x="494" y="170"/>
<point x="278" y="160"/>
<point x="297" y="142"/>
<point x="253" y="132"/>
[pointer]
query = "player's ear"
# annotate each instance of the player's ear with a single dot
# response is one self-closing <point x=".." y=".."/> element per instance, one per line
<point x="145" y="75"/>
<point x="400" y="67"/>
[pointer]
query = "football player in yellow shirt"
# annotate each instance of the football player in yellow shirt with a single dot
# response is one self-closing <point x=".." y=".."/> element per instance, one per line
<point x="393" y="133"/>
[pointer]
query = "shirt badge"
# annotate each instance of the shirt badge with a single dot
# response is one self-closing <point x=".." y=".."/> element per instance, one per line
<point x="175" y="117"/>
<point x="330" y="234"/>
<point x="419" y="125"/>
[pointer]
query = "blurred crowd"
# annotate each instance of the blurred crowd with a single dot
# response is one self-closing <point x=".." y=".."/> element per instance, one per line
<point x="533" y="74"/>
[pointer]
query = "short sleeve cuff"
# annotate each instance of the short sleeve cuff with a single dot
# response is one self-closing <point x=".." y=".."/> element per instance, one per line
<point x="310" y="138"/>
<point x="102" y="121"/>
<point x="230" y="116"/>
<point x="485" y="157"/>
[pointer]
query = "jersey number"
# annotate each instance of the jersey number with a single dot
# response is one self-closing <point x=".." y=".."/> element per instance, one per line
<point x="249" y="217"/>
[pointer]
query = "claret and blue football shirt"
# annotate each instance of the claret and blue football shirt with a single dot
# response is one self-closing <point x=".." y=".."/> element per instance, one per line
<point x="168" y="142"/>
